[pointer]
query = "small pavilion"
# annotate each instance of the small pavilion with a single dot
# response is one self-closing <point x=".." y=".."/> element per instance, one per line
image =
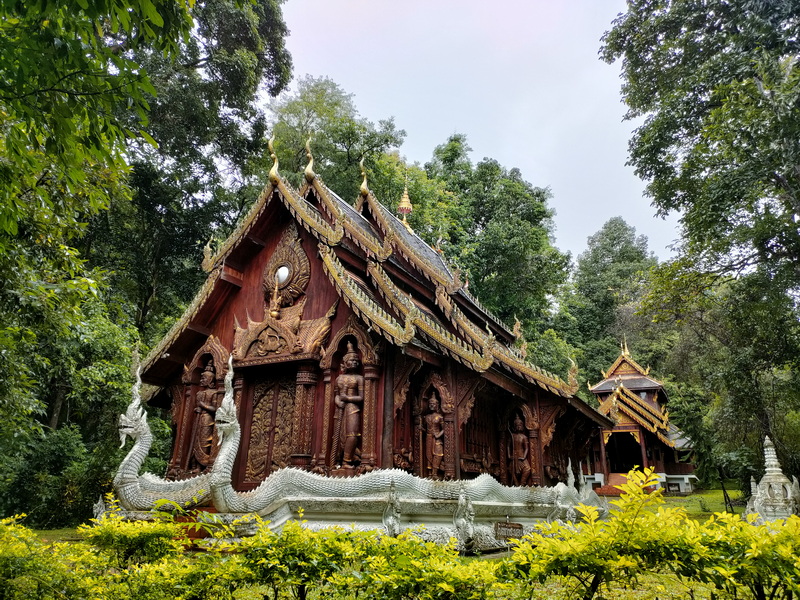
<point x="642" y="435"/>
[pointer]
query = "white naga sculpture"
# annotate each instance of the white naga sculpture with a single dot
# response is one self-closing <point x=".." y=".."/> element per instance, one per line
<point x="389" y="499"/>
<point x="774" y="497"/>
<point x="140" y="492"/>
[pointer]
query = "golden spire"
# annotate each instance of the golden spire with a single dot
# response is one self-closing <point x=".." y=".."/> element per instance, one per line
<point x="274" y="178"/>
<point x="364" y="188"/>
<point x="309" y="172"/>
<point x="405" y="207"/>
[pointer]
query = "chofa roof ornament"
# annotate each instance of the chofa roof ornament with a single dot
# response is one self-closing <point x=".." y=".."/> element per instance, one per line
<point x="309" y="170"/>
<point x="274" y="178"/>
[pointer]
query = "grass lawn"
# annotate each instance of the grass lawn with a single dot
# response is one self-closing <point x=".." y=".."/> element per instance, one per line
<point x="58" y="535"/>
<point x="702" y="504"/>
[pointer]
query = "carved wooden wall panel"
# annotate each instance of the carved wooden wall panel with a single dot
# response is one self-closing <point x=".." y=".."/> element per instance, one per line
<point x="270" y="437"/>
<point x="480" y="451"/>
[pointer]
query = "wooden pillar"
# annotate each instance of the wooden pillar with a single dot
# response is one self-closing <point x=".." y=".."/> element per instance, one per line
<point x="450" y="449"/>
<point x="370" y="417"/>
<point x="643" y="448"/>
<point x="533" y="456"/>
<point x="603" y="459"/>
<point x="303" y="414"/>
<point x="388" y="414"/>
<point x="323" y="456"/>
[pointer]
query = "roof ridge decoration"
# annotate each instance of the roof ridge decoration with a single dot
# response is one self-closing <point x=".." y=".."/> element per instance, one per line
<point x="657" y="414"/>
<point x="443" y="339"/>
<point x="362" y="305"/>
<point x="629" y="403"/>
<point x="373" y="247"/>
<point x="490" y="349"/>
<point x="624" y="357"/>
<point x="405" y="207"/>
<point x="309" y="170"/>
<point x="274" y="177"/>
<point x="181" y="324"/>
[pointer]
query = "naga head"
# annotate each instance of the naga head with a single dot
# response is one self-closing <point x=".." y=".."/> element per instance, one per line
<point x="134" y="421"/>
<point x="226" y="419"/>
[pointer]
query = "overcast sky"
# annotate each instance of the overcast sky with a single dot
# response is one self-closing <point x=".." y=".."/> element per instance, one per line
<point x="521" y="79"/>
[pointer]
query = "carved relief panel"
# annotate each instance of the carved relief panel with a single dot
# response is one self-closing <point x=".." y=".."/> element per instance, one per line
<point x="269" y="443"/>
<point x="434" y="418"/>
<point x="195" y="446"/>
<point x="350" y="367"/>
<point x="480" y="452"/>
<point x="283" y="334"/>
<point x="520" y="445"/>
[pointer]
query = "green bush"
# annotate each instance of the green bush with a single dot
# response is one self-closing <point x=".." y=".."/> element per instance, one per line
<point x="642" y="541"/>
<point x="31" y="569"/>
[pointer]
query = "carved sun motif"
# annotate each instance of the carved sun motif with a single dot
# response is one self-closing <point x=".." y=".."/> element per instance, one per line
<point x="288" y="267"/>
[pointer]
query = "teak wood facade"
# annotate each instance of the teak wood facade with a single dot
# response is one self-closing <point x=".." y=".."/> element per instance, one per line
<point x="354" y="348"/>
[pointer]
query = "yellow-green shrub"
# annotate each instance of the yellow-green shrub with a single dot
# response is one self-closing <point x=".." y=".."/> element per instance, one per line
<point x="32" y="569"/>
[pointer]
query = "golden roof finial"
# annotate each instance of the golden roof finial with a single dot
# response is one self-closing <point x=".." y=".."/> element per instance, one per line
<point x="208" y="256"/>
<point x="405" y="207"/>
<point x="274" y="178"/>
<point x="364" y="188"/>
<point x="625" y="352"/>
<point x="309" y="172"/>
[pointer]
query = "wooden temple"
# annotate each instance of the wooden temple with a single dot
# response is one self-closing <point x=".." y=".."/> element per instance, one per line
<point x="642" y="435"/>
<point x="355" y="347"/>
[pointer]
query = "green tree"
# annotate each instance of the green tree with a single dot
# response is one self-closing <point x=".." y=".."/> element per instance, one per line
<point x="717" y="84"/>
<point x="595" y="309"/>
<point x="503" y="241"/>
<point x="320" y="110"/>
<point x="67" y="73"/>
<point x="206" y="120"/>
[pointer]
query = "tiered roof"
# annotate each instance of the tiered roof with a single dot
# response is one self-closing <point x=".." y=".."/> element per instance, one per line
<point x="623" y="380"/>
<point x="385" y="293"/>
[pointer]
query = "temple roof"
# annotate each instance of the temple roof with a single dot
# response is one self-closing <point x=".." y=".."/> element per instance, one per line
<point x="627" y="370"/>
<point x="647" y="414"/>
<point x="445" y="317"/>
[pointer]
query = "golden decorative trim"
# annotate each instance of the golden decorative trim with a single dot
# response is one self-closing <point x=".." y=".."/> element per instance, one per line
<point x="276" y="340"/>
<point x="311" y="220"/>
<point x="658" y="417"/>
<point x="442" y="338"/>
<point x="289" y="253"/>
<point x="309" y="170"/>
<point x="362" y="305"/>
<point x="274" y="178"/>
<point x="364" y="189"/>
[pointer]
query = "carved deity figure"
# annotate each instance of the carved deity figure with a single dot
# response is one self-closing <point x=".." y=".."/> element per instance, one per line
<point x="349" y="401"/>
<point x="206" y="409"/>
<point x="434" y="438"/>
<point x="518" y="452"/>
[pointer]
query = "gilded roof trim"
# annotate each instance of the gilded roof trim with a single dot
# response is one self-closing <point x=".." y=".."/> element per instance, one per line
<point x="643" y="414"/>
<point x="658" y="417"/>
<point x="362" y="305"/>
<point x="372" y="246"/>
<point x="438" y="335"/>
<point x="624" y="357"/>
<point x="309" y="217"/>
<point x="490" y="350"/>
<point x="181" y="324"/>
